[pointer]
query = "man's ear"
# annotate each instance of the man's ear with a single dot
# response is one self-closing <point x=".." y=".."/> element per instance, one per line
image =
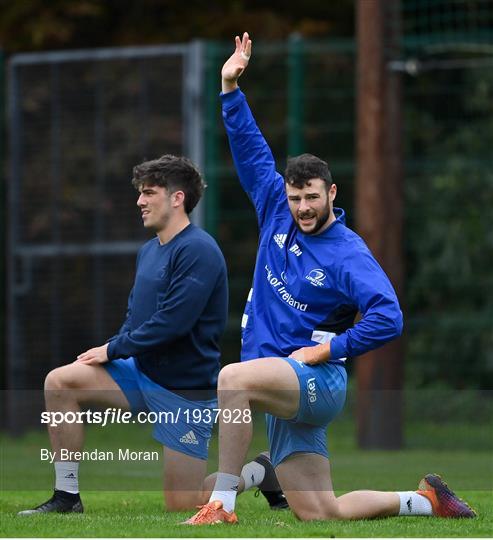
<point x="178" y="199"/>
<point x="332" y="192"/>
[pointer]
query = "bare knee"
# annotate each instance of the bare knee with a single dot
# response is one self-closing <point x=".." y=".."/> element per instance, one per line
<point x="177" y="501"/>
<point x="55" y="380"/>
<point x="230" y="378"/>
<point x="315" y="510"/>
<point x="234" y="377"/>
<point x="305" y="514"/>
<point x="64" y="377"/>
<point x="312" y="514"/>
<point x="58" y="389"/>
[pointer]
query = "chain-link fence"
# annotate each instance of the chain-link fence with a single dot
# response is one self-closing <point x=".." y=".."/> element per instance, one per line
<point x="448" y="99"/>
<point x="302" y="96"/>
<point x="78" y="123"/>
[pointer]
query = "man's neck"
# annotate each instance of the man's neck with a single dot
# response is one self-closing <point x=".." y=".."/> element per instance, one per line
<point x="173" y="228"/>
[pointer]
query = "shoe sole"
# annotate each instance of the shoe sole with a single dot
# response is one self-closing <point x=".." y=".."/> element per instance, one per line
<point x="77" y="509"/>
<point x="217" y="522"/>
<point x="31" y="512"/>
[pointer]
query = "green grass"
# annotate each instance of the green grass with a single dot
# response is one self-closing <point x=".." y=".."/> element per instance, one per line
<point x="140" y="514"/>
<point x="124" y="499"/>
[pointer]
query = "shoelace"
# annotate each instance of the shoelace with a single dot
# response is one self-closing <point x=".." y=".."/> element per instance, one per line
<point x="204" y="511"/>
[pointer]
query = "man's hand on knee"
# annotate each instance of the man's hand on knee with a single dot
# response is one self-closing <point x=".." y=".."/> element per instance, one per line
<point x="318" y="354"/>
<point x="94" y="356"/>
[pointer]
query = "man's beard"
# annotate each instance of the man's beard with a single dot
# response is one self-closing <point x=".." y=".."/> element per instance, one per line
<point x="319" y="223"/>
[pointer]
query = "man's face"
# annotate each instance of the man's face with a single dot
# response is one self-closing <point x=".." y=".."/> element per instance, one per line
<point x="311" y="206"/>
<point x="155" y="205"/>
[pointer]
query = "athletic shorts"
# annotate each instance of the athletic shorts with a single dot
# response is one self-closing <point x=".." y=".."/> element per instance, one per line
<point x="184" y="426"/>
<point x="322" y="397"/>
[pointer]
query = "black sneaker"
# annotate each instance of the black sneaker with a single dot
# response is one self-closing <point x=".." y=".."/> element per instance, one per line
<point x="60" y="502"/>
<point x="270" y="487"/>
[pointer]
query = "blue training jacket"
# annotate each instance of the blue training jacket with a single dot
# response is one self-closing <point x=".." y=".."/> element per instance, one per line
<point x="307" y="289"/>
<point x="177" y="311"/>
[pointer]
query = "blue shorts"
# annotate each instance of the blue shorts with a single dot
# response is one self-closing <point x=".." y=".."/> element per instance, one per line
<point x="322" y="397"/>
<point x="187" y="426"/>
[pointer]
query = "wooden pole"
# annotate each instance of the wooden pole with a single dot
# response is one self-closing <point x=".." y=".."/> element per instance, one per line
<point x="379" y="210"/>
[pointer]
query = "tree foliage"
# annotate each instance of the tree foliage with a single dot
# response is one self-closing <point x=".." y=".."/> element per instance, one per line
<point x="450" y="230"/>
<point x="41" y="25"/>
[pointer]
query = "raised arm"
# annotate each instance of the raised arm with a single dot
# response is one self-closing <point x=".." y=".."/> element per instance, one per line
<point x="252" y="156"/>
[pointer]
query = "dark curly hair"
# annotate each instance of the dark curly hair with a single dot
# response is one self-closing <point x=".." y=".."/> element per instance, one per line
<point x="173" y="173"/>
<point x="301" y="169"/>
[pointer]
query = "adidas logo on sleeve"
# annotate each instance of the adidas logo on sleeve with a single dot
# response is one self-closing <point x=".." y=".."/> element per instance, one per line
<point x="280" y="239"/>
<point x="189" y="438"/>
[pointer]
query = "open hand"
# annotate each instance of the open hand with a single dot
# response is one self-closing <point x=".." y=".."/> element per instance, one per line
<point x="236" y="63"/>
<point x="318" y="354"/>
<point x="94" y="356"/>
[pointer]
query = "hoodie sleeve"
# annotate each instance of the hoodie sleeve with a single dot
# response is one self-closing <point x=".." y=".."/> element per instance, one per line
<point x="252" y="156"/>
<point x="367" y="286"/>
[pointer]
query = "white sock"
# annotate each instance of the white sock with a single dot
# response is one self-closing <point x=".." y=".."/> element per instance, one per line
<point x="225" y="490"/>
<point x="252" y="473"/>
<point x="414" y="504"/>
<point x="67" y="476"/>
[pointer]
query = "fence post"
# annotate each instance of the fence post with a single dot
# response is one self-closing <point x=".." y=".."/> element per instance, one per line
<point x="15" y="359"/>
<point x="3" y="223"/>
<point x="193" y="114"/>
<point x="296" y="141"/>
<point x="379" y="210"/>
<point x="211" y="167"/>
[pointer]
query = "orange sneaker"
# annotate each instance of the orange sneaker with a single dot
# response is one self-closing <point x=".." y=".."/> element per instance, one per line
<point x="212" y="513"/>
<point x="444" y="502"/>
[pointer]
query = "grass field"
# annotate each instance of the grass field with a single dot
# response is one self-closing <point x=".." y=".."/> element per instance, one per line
<point x="139" y="514"/>
<point x="123" y="499"/>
